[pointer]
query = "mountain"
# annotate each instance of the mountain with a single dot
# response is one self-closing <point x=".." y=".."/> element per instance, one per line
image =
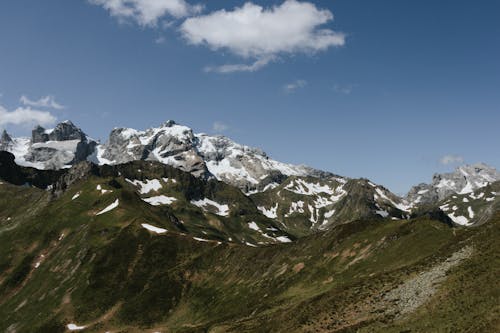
<point x="204" y="209"/>
<point x="250" y="169"/>
<point x="142" y="246"/>
<point x="465" y="179"/>
<point x="307" y="204"/>
<point x="55" y="148"/>
<point x="302" y="199"/>
<point x="165" y="230"/>
<point x="474" y="208"/>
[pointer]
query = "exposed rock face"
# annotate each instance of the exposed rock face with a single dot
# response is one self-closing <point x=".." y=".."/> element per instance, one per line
<point x="15" y="174"/>
<point x="309" y="204"/>
<point x="5" y="140"/>
<point x="414" y="292"/>
<point x="248" y="168"/>
<point x="57" y="148"/>
<point x="464" y="179"/>
<point x="62" y="132"/>
<point x="170" y="144"/>
<point x="79" y="171"/>
<point x="245" y="167"/>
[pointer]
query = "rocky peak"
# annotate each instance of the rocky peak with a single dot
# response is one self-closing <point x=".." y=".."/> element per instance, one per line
<point x="5" y="140"/>
<point x="38" y="134"/>
<point x="67" y="131"/>
<point x="464" y="179"/>
<point x="173" y="144"/>
<point x="169" y="143"/>
<point x="62" y="132"/>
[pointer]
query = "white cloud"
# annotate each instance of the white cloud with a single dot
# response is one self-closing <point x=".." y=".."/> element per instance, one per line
<point x="25" y="116"/>
<point x="43" y="102"/>
<point x="451" y="159"/>
<point x="147" y="12"/>
<point x="292" y="86"/>
<point x="343" y="89"/>
<point x="160" y="40"/>
<point x="252" y="31"/>
<point x="219" y="127"/>
<point x="231" y="68"/>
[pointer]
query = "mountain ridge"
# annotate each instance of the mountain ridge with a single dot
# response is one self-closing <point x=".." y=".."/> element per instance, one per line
<point x="203" y="155"/>
<point x="141" y="245"/>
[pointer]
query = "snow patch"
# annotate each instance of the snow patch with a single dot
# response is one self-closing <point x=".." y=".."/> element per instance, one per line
<point x="462" y="220"/>
<point x="222" y="209"/>
<point x="253" y="226"/>
<point x="153" y="228"/>
<point x="296" y="207"/>
<point x="201" y="239"/>
<point x="160" y="200"/>
<point x="471" y="212"/>
<point x="329" y="213"/>
<point x="382" y="213"/>
<point x="270" y="213"/>
<point x="103" y="191"/>
<point x="300" y="186"/>
<point x="74" y="327"/>
<point x="283" y="239"/>
<point x="146" y="186"/>
<point x="109" y="208"/>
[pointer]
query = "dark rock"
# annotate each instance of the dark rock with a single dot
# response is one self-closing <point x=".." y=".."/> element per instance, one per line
<point x="38" y="135"/>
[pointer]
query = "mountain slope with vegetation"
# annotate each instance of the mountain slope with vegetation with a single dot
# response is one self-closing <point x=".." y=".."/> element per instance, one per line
<point x="89" y="253"/>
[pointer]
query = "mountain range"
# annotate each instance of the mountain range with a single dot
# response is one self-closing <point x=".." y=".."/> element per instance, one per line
<point x="165" y="230"/>
<point x="284" y="190"/>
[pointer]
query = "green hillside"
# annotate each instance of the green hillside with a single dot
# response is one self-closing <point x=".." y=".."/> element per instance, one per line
<point x="66" y="260"/>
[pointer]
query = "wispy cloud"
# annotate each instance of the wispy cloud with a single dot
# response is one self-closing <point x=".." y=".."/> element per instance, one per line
<point x="231" y="68"/>
<point x="451" y="159"/>
<point x="262" y="34"/>
<point x="160" y="40"/>
<point x="147" y="13"/>
<point x="293" y="86"/>
<point x="44" y="102"/>
<point x="345" y="89"/>
<point x="219" y="127"/>
<point x="25" y="116"/>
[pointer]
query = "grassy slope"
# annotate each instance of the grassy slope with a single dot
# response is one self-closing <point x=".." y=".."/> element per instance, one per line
<point x="110" y="274"/>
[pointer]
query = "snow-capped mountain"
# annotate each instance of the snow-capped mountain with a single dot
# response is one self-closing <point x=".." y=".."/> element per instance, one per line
<point x="307" y="204"/>
<point x="472" y="208"/>
<point x="465" y="179"/>
<point x="55" y="148"/>
<point x="249" y="169"/>
<point x="170" y="144"/>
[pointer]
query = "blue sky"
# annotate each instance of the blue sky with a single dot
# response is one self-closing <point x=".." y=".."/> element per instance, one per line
<point x="385" y="90"/>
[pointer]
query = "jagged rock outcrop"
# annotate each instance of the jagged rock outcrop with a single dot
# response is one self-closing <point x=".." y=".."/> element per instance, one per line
<point x="465" y="179"/>
<point x="250" y="169"/>
<point x="18" y="175"/>
<point x="245" y="167"/>
<point x="5" y="140"/>
<point x="170" y="144"/>
<point x="55" y="148"/>
<point x="62" y="132"/>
